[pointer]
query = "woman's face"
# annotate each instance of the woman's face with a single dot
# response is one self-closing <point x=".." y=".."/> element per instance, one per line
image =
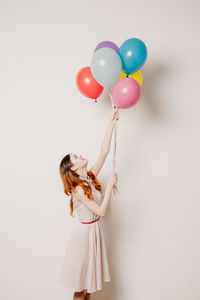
<point x="77" y="161"/>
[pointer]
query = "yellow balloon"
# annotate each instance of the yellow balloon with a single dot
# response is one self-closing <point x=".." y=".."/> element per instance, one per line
<point x="137" y="76"/>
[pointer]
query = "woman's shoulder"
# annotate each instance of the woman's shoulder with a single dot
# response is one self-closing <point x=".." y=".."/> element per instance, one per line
<point x="74" y="193"/>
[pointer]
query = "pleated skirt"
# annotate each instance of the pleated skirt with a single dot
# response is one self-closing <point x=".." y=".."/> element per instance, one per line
<point x="85" y="264"/>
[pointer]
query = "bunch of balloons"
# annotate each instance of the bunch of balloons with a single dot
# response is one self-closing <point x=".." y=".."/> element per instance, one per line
<point x="117" y="69"/>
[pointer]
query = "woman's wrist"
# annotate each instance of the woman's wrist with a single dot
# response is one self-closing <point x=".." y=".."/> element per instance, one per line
<point x="109" y="185"/>
<point x="112" y="123"/>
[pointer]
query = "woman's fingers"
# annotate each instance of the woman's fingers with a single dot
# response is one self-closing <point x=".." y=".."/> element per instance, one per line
<point x="116" y="115"/>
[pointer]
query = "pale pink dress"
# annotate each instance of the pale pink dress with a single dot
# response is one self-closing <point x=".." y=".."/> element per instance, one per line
<point x="85" y="263"/>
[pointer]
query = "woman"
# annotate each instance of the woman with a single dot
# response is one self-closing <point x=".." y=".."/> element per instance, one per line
<point x="85" y="264"/>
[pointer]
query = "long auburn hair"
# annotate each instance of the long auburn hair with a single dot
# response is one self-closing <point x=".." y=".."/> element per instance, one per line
<point x="71" y="180"/>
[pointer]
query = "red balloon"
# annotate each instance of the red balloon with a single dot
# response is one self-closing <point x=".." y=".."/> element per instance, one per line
<point x="87" y="85"/>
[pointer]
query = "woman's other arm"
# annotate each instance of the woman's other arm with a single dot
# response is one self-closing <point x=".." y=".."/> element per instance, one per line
<point x="101" y="209"/>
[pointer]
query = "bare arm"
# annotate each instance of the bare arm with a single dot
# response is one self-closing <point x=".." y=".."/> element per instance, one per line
<point x="105" y="147"/>
<point x="108" y="137"/>
<point x="101" y="209"/>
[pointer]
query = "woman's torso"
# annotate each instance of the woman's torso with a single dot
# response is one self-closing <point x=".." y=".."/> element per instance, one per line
<point x="85" y="214"/>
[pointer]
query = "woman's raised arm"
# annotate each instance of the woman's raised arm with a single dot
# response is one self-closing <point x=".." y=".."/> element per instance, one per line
<point x="105" y="147"/>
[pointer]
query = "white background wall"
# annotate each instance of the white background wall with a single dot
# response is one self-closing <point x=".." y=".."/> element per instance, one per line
<point x="152" y="227"/>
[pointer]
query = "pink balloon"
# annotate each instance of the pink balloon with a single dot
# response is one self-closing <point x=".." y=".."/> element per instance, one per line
<point x="126" y="92"/>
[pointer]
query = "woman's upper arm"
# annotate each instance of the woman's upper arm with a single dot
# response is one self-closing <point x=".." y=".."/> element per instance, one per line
<point x="90" y="204"/>
<point x="99" y="162"/>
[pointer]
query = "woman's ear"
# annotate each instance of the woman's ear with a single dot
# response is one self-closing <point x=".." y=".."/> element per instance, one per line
<point x="73" y="168"/>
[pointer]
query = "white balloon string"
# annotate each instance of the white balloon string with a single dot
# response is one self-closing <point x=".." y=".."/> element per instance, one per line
<point x="115" y="189"/>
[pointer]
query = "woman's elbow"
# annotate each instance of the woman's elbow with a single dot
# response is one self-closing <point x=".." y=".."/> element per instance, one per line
<point x="101" y="214"/>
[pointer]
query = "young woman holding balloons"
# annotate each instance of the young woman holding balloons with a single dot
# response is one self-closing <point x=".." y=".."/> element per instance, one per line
<point x="85" y="264"/>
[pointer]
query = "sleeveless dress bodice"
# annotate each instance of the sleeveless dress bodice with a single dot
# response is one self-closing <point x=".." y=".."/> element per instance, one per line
<point x="84" y="214"/>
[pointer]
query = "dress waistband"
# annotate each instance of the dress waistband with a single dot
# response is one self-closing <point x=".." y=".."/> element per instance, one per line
<point x="91" y="221"/>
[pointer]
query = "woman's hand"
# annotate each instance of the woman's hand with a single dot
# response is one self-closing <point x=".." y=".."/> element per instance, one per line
<point x="115" y="115"/>
<point x="113" y="179"/>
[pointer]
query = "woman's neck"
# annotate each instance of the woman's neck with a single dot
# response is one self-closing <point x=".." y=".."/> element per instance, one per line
<point x="83" y="173"/>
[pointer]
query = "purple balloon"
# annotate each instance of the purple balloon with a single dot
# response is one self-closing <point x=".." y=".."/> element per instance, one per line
<point x="107" y="44"/>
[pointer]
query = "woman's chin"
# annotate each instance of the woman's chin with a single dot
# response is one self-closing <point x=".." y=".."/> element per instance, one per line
<point x="85" y="162"/>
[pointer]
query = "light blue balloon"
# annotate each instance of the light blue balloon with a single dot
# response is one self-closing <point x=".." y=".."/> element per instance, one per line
<point x="133" y="53"/>
<point x="106" y="67"/>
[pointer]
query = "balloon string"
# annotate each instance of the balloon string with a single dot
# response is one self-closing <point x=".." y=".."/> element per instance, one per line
<point x="115" y="189"/>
